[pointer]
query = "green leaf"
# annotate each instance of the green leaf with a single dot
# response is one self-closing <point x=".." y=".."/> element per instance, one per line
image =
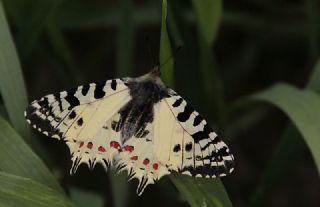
<point x="85" y="198"/>
<point x="286" y="155"/>
<point x="125" y="43"/>
<point x="119" y="186"/>
<point x="33" y="24"/>
<point x="19" y="191"/>
<point x="314" y="82"/>
<point x="198" y="192"/>
<point x="17" y="158"/>
<point x="165" y="54"/>
<point x="201" y="191"/>
<point x="3" y="111"/>
<point x="302" y="107"/>
<point x="11" y="79"/>
<point x="208" y="17"/>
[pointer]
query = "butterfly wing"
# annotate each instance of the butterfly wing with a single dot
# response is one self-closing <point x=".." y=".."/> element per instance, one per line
<point x="178" y="139"/>
<point x="191" y="146"/>
<point x="84" y="118"/>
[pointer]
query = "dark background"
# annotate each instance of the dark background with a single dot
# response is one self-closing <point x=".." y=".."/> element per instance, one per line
<point x="259" y="43"/>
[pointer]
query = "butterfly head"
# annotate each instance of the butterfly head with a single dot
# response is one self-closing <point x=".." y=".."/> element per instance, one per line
<point x="154" y="76"/>
<point x="155" y="71"/>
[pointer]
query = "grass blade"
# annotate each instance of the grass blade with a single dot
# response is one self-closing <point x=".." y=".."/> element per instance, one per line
<point x="208" y="14"/>
<point x="208" y="17"/>
<point x="125" y="39"/>
<point x="125" y="48"/>
<point x="286" y="155"/>
<point x="201" y="191"/>
<point x="198" y="192"/>
<point x="33" y="24"/>
<point x="165" y="53"/>
<point x="19" y="191"/>
<point x="11" y="79"/>
<point x="302" y="107"/>
<point x="314" y="82"/>
<point x="85" y="198"/>
<point x="17" y="158"/>
<point x="284" y="158"/>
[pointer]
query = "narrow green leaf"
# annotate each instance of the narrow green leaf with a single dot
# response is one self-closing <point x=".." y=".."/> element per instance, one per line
<point x="208" y="17"/>
<point x="165" y="54"/>
<point x="201" y="191"/>
<point x="3" y="111"/>
<point x="302" y="107"/>
<point x="84" y="198"/>
<point x="314" y="81"/>
<point x="12" y="86"/>
<point x="17" y="158"/>
<point x="18" y="191"/>
<point x="313" y="28"/>
<point x="198" y="192"/>
<point x="62" y="49"/>
<point x="119" y="186"/>
<point x="34" y="22"/>
<point x="125" y="46"/>
<point x="286" y="155"/>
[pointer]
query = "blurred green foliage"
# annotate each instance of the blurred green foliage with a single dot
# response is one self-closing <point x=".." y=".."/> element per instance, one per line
<point x="234" y="55"/>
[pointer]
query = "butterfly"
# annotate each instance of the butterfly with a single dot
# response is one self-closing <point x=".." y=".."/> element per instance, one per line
<point x="135" y="124"/>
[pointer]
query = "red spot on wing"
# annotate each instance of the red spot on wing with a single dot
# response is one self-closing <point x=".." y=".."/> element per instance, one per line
<point x="101" y="149"/>
<point x="89" y="145"/>
<point x="129" y="148"/>
<point x="81" y="144"/>
<point x="115" y="144"/>
<point x="146" y="161"/>
<point x="155" y="166"/>
<point x="134" y="158"/>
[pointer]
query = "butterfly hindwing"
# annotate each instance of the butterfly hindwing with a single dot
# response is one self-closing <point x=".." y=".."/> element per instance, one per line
<point x="199" y="150"/>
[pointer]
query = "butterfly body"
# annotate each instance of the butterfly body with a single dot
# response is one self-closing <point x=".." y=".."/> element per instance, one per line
<point x="137" y="124"/>
<point x="145" y="92"/>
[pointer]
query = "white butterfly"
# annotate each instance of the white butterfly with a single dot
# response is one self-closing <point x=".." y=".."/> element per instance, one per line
<point x="136" y="124"/>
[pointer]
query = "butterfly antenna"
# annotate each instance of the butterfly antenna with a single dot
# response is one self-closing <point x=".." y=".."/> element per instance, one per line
<point x="170" y="57"/>
<point x="157" y="69"/>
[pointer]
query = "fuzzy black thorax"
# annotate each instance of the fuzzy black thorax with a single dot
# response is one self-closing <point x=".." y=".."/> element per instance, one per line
<point x="145" y="92"/>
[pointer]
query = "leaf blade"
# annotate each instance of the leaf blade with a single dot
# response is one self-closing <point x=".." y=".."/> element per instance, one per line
<point x="302" y="107"/>
<point x="17" y="158"/>
<point x="198" y="192"/>
<point x="165" y="52"/>
<point x="208" y="17"/>
<point x="19" y="191"/>
<point x="11" y="78"/>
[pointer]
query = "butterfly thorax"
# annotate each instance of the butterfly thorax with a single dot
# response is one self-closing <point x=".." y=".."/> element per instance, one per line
<point x="145" y="92"/>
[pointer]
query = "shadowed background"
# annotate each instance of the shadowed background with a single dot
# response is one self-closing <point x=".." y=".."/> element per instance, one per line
<point x="234" y="55"/>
